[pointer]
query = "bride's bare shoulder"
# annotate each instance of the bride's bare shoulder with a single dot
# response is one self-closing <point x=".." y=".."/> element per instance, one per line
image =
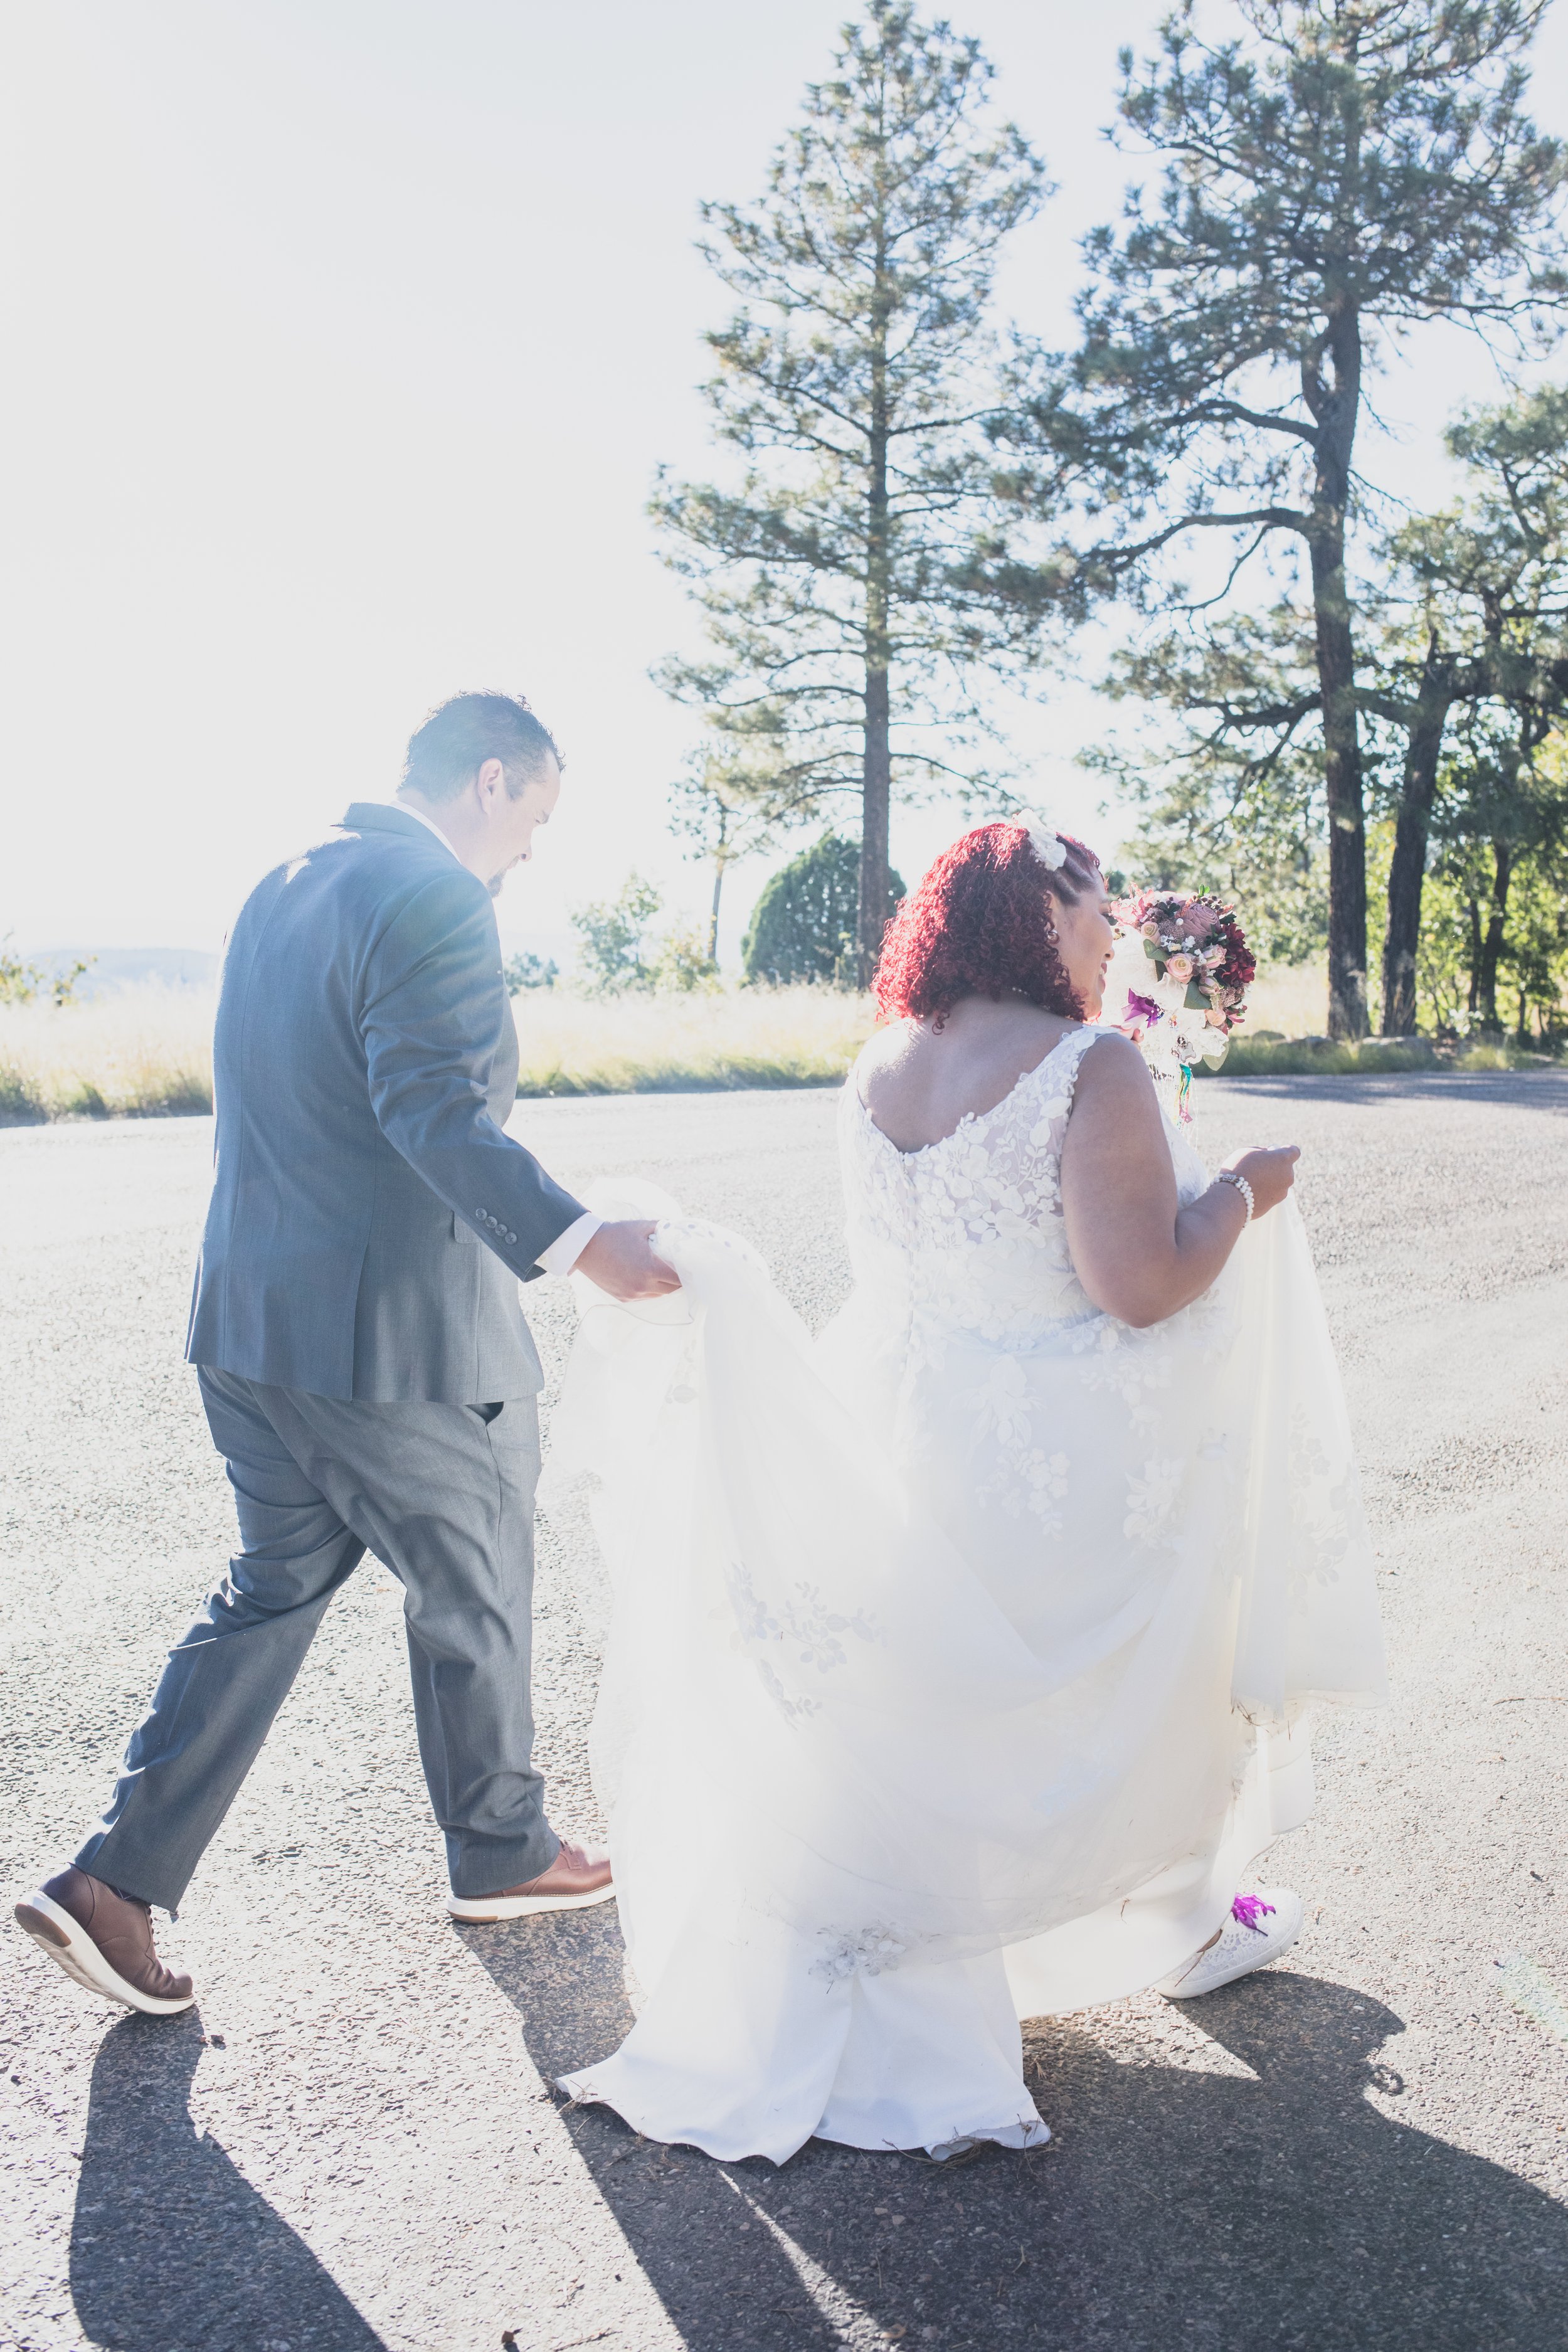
<point x="906" y="1051"/>
<point x="886" y="1047"/>
<point x="882" y="1059"/>
<point x="918" y="1081"/>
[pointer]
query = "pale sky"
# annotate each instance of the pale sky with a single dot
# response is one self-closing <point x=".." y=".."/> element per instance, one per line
<point x="343" y="340"/>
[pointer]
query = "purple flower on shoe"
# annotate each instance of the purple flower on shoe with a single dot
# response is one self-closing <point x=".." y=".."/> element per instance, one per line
<point x="1249" y="1909"/>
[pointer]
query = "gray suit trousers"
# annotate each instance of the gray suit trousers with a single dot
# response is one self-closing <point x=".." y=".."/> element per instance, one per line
<point x="443" y="1494"/>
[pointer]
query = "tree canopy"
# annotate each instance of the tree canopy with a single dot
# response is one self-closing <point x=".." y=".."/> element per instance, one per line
<point x="1341" y="172"/>
<point x="845" y="609"/>
<point x="1461" y="685"/>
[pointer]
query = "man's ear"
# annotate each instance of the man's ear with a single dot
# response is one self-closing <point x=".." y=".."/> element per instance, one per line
<point x="488" y="780"/>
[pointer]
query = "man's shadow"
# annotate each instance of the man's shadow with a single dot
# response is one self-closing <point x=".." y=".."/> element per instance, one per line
<point x="1174" y="2207"/>
<point x="172" y="2249"/>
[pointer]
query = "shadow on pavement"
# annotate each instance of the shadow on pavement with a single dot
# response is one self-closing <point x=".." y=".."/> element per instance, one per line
<point x="1174" y="2207"/>
<point x="172" y="2249"/>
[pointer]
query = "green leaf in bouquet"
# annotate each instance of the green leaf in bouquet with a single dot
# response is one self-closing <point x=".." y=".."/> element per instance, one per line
<point x="1153" y="948"/>
<point x="1197" y="999"/>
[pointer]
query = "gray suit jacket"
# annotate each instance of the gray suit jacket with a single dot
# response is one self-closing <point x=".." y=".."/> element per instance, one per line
<point x="369" y="1219"/>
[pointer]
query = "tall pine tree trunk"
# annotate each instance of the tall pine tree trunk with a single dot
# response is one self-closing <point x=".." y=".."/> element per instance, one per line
<point x="1334" y="407"/>
<point x="721" y="859"/>
<point x="1493" y="937"/>
<point x="878" y="770"/>
<point x="1412" y="826"/>
<point x="1473" y="921"/>
<point x="714" y="916"/>
<point x="876" y="794"/>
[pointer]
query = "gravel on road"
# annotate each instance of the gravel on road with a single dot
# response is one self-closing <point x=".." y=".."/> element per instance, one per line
<point x="353" y="2143"/>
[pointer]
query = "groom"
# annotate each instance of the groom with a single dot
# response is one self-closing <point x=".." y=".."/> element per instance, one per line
<point x="363" y="1356"/>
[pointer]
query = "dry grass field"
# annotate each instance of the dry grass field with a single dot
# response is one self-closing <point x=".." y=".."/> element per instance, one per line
<point x="146" y="1051"/>
<point x="663" y="1044"/>
<point x="1291" y="997"/>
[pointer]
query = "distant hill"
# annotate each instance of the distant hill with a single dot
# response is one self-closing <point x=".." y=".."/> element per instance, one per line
<point x="117" y="968"/>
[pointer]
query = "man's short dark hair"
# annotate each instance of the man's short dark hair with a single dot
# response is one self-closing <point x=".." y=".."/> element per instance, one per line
<point x="462" y="734"/>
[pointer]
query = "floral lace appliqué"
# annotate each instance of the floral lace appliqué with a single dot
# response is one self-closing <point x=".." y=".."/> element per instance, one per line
<point x="864" y="1952"/>
<point x="1151" y="1498"/>
<point x="1028" y="1475"/>
<point x="798" y="1632"/>
<point x="1320" y="1511"/>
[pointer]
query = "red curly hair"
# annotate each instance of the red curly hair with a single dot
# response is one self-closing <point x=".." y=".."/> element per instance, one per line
<point x="980" y="924"/>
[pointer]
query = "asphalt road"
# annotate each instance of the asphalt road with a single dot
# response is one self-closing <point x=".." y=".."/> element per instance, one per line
<point x="351" y="2143"/>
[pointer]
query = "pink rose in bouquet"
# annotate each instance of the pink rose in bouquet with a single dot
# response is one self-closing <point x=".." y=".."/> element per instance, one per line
<point x="1182" y="973"/>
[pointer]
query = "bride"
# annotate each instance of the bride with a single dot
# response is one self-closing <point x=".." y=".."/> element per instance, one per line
<point x="959" y="1662"/>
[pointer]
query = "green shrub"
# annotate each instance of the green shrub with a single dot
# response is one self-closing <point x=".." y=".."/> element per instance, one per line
<point x="28" y="983"/>
<point x="683" y="962"/>
<point x="21" y="1101"/>
<point x="1489" y="1056"/>
<point x="803" y="925"/>
<point x="1256" y="1057"/>
<point x="616" y="951"/>
<point x="525" y="972"/>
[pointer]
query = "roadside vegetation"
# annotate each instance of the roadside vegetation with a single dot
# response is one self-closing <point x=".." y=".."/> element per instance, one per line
<point x="146" y="1052"/>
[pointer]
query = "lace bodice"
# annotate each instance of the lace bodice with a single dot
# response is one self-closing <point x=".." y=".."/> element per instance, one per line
<point x="971" y="1228"/>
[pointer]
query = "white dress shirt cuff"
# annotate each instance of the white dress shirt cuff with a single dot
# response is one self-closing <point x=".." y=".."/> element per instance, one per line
<point x="566" y="1248"/>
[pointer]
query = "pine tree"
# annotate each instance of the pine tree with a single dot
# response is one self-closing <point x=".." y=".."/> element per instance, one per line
<point x="1226" y="775"/>
<point x="728" y="809"/>
<point x="845" y="604"/>
<point x="1488" y="579"/>
<point x="1342" y="173"/>
<point x="1462" y="677"/>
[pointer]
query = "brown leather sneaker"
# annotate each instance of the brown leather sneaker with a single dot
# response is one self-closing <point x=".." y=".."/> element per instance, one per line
<point x="105" y="1941"/>
<point x="580" y="1875"/>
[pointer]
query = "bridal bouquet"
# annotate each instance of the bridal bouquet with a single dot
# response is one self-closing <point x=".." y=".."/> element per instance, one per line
<point x="1178" y="981"/>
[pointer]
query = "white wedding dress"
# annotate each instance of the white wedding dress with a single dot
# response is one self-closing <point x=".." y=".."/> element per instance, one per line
<point x="958" y="1661"/>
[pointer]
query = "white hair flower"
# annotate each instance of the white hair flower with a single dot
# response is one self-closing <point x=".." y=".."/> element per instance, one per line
<point x="1044" y="840"/>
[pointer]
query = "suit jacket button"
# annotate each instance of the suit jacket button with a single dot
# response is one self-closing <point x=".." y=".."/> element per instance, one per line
<point x="512" y="1237"/>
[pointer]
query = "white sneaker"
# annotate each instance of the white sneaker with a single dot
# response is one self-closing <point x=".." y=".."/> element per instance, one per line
<point x="1261" y="1928"/>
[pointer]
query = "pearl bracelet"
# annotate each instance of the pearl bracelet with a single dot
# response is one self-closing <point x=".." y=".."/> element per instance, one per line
<point x="1232" y="1176"/>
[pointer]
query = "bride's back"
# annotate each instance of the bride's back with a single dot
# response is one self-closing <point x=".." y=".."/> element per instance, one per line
<point x="952" y="1175"/>
<point x="919" y="1082"/>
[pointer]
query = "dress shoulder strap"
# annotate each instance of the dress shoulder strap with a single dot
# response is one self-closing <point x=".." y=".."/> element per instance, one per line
<point x="1051" y="1084"/>
<point x="1073" y="1048"/>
